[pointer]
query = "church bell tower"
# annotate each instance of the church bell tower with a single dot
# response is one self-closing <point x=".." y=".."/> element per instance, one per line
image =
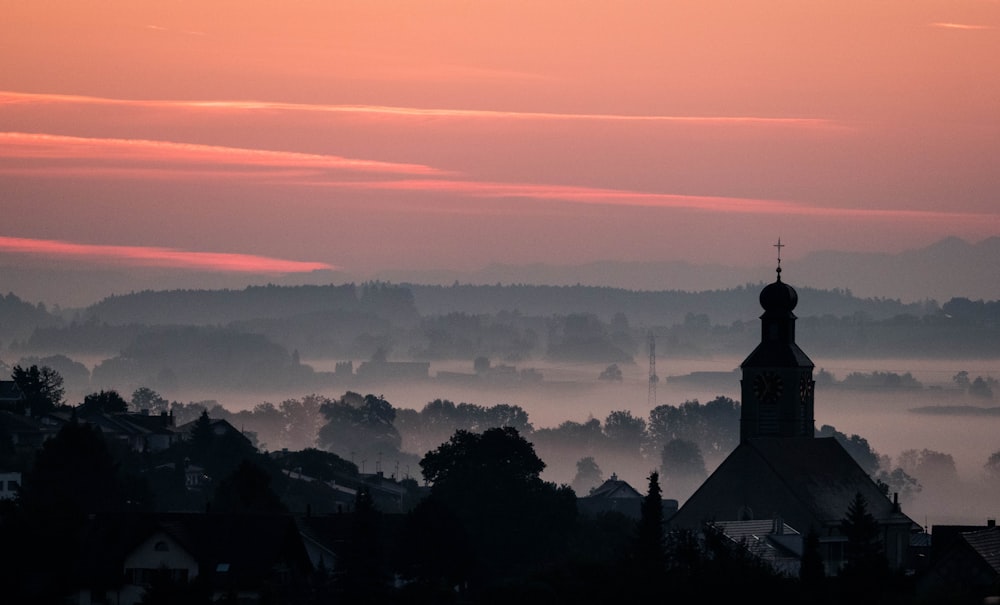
<point x="777" y="384"/>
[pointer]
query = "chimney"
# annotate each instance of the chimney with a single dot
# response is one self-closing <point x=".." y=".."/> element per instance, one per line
<point x="991" y="523"/>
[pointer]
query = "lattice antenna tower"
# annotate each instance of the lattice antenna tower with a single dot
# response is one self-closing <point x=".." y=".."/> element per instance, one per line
<point x="653" y="378"/>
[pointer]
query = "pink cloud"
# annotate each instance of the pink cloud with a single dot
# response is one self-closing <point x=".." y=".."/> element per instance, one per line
<point x="58" y="147"/>
<point x="147" y="256"/>
<point x="12" y="97"/>
<point x="965" y="26"/>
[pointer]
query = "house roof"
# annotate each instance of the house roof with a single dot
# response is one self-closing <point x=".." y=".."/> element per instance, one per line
<point x="810" y="482"/>
<point x="251" y="544"/>
<point x="614" y="488"/>
<point x="986" y="543"/>
<point x="9" y="391"/>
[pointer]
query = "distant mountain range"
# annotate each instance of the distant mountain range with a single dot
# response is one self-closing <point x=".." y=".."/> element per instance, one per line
<point x="949" y="268"/>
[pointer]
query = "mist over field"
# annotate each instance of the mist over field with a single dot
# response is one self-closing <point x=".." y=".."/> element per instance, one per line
<point x="913" y="381"/>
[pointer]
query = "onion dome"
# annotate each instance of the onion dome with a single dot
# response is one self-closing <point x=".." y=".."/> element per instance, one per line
<point x="778" y="297"/>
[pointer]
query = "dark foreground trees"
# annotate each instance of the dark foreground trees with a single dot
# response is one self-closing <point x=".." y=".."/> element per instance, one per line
<point x="509" y="521"/>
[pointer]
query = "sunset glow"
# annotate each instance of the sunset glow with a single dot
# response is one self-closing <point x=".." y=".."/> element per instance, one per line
<point x="445" y="135"/>
<point x="156" y="257"/>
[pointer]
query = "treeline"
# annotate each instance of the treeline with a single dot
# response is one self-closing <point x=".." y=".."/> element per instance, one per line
<point x="188" y="338"/>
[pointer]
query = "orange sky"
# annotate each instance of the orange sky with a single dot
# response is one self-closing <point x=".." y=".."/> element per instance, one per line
<point x="367" y="135"/>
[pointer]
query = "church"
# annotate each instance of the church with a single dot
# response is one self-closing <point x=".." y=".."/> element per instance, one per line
<point x="781" y="481"/>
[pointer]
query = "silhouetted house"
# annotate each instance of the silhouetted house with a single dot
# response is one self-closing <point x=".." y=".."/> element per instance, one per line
<point x="159" y="432"/>
<point x="780" y="470"/>
<point x="220" y="428"/>
<point x="616" y="495"/>
<point x="24" y="433"/>
<point x="11" y="397"/>
<point x="965" y="562"/>
<point x="243" y="558"/>
<point x="141" y="432"/>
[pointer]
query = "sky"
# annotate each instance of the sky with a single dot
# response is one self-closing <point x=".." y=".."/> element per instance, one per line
<point x="293" y="136"/>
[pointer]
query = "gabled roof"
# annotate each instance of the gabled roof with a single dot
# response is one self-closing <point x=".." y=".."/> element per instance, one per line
<point x="615" y="488"/>
<point x="251" y="544"/>
<point x="9" y="391"/>
<point x="810" y="482"/>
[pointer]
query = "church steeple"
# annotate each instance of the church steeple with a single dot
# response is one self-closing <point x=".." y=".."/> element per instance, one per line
<point x="777" y="385"/>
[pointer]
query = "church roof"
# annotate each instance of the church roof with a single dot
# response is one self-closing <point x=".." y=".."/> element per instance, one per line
<point x="808" y="482"/>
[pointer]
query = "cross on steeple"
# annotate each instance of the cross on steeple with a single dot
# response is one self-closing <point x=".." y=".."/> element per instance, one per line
<point x="779" y="246"/>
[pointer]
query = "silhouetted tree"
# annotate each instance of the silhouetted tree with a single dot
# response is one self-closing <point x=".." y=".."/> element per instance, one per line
<point x="104" y="402"/>
<point x="992" y="466"/>
<point x="491" y="481"/>
<point x="650" y="541"/>
<point x="248" y="490"/>
<point x="364" y="577"/>
<point x="682" y="465"/>
<point x="363" y="425"/>
<point x="612" y="373"/>
<point x="866" y="568"/>
<point x="145" y="398"/>
<point x="42" y="388"/>
<point x="624" y="431"/>
<point x="811" y="569"/>
<point x="588" y="476"/>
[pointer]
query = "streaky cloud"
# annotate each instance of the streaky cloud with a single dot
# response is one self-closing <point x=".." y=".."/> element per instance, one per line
<point x="12" y="97"/>
<point x="51" y="146"/>
<point x="965" y="26"/>
<point x="151" y="256"/>
<point x="706" y="203"/>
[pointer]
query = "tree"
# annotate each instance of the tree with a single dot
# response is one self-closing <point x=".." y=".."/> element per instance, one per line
<point x="650" y="539"/>
<point x="992" y="466"/>
<point x="364" y="579"/>
<point x="145" y="398"/>
<point x="929" y="466"/>
<point x="42" y="388"/>
<point x="359" y="425"/>
<point x="74" y="474"/>
<point x="492" y="483"/>
<point x="104" y="402"/>
<point x="811" y="571"/>
<point x="682" y="465"/>
<point x="624" y="431"/>
<point x="612" y="373"/>
<point x="588" y="476"/>
<point x="248" y="490"/>
<point x="865" y="566"/>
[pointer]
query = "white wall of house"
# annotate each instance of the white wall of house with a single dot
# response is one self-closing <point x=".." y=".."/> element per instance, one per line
<point x="159" y="553"/>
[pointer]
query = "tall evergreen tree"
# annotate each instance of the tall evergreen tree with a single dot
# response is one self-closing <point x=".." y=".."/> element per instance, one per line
<point x="650" y="538"/>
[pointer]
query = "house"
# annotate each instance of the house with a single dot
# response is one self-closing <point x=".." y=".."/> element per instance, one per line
<point x="616" y="495"/>
<point x="220" y="428"/>
<point x="24" y="432"/>
<point x="780" y="470"/>
<point x="253" y="558"/>
<point x="11" y="397"/>
<point x="965" y="562"/>
<point x="141" y="432"/>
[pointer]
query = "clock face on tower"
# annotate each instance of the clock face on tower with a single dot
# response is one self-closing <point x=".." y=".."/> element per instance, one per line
<point x="767" y="387"/>
<point x="805" y="388"/>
